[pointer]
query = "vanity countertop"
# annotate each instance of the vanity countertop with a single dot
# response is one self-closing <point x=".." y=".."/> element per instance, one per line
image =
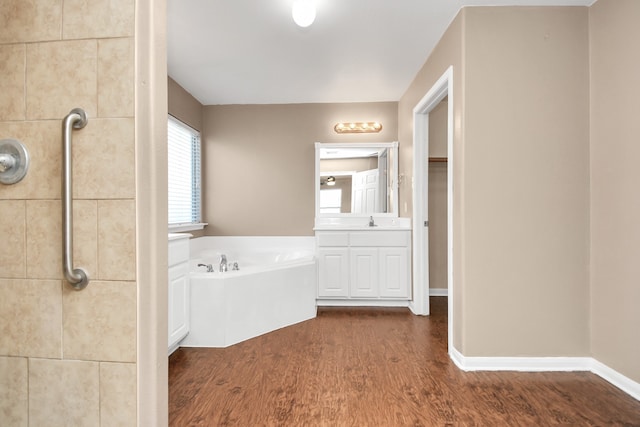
<point x="359" y="228"/>
<point x="362" y="224"/>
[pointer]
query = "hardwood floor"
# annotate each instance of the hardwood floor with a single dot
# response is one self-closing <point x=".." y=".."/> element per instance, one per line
<point x="365" y="367"/>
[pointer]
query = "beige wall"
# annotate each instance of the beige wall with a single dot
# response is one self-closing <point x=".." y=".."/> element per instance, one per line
<point x="521" y="173"/>
<point x="68" y="357"/>
<point x="615" y="205"/>
<point x="438" y="197"/>
<point x="526" y="156"/>
<point x="346" y="184"/>
<point x="183" y="106"/>
<point x="354" y="165"/>
<point x="259" y="162"/>
<point x="448" y="52"/>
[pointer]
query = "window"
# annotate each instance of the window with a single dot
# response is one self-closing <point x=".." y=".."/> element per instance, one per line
<point x="184" y="177"/>
<point x="330" y="200"/>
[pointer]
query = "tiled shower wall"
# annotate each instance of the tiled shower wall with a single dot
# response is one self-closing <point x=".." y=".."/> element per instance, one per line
<point x="68" y="357"/>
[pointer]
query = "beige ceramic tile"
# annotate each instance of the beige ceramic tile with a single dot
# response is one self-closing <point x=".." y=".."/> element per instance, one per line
<point x="85" y="236"/>
<point x="44" y="239"/>
<point x="100" y="322"/>
<point x="64" y="393"/>
<point x="104" y="160"/>
<point x="42" y="139"/>
<point x="61" y="76"/>
<point x="116" y="240"/>
<point x="12" y="68"/>
<point x="115" y="77"/>
<point x="35" y="310"/>
<point x="30" y="20"/>
<point x="12" y="230"/>
<point x="117" y="394"/>
<point x="98" y="18"/>
<point x="14" y="391"/>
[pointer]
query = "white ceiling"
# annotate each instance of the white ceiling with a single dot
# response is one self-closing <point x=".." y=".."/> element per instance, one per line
<point x="251" y="51"/>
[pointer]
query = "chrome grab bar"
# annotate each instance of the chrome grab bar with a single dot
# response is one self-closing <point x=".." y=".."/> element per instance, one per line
<point x="78" y="278"/>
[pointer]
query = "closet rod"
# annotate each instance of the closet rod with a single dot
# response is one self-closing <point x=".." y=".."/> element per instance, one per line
<point x="438" y="159"/>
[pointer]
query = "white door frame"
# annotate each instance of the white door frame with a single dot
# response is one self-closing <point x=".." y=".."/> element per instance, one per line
<point x="420" y="304"/>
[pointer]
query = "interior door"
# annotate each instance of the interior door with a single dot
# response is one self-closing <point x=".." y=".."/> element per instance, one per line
<point x="365" y="194"/>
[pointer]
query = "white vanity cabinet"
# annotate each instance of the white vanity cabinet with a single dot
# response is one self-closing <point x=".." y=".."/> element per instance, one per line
<point x="178" y="291"/>
<point x="363" y="267"/>
<point x="333" y="272"/>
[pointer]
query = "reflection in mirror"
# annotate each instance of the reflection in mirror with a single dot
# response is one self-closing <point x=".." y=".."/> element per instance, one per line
<point x="356" y="179"/>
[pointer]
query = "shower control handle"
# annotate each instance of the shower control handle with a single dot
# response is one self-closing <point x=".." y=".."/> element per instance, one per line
<point x="14" y="161"/>
<point x="7" y="162"/>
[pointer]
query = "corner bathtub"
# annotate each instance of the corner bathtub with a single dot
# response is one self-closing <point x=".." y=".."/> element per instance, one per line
<point x="274" y="287"/>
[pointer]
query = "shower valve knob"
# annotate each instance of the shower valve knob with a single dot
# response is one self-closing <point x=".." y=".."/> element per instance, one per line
<point x="14" y="161"/>
<point x="7" y="161"/>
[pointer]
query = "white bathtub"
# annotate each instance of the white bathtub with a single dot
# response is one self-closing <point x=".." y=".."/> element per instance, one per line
<point x="274" y="287"/>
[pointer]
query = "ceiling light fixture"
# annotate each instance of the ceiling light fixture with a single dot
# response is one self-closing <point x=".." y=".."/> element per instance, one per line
<point x="358" y="127"/>
<point x="304" y="12"/>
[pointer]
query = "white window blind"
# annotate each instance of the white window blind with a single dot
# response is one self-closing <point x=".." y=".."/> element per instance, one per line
<point x="184" y="174"/>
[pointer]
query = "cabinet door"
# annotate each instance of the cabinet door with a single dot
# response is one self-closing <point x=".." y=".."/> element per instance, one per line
<point x="333" y="272"/>
<point x="364" y="272"/>
<point x="394" y="273"/>
<point x="178" y="303"/>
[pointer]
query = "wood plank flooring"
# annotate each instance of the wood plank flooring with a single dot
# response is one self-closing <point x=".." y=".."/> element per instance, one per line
<point x="372" y="367"/>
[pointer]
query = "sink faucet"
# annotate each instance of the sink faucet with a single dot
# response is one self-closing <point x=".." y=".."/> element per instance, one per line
<point x="209" y="267"/>
<point x="223" y="263"/>
<point x="371" y="223"/>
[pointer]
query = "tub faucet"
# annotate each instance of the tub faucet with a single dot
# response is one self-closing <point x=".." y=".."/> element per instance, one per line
<point x="223" y="263"/>
<point x="209" y="267"/>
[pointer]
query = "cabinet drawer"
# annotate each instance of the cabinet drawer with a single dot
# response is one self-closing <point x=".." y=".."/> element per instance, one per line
<point x="333" y="239"/>
<point x="379" y="238"/>
<point x="178" y="251"/>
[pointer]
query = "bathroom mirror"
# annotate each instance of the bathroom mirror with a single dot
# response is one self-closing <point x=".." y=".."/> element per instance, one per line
<point x="356" y="179"/>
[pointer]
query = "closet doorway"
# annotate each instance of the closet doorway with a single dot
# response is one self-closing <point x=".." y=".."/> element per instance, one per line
<point x="437" y="157"/>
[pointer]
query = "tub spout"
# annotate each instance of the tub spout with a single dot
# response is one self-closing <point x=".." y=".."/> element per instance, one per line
<point x="223" y="263"/>
<point x="209" y="267"/>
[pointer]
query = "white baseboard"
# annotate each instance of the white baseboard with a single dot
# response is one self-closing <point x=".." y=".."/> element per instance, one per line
<point x="524" y="364"/>
<point x="438" y="292"/>
<point x="546" y="364"/>
<point x="361" y="303"/>
<point x="625" y="384"/>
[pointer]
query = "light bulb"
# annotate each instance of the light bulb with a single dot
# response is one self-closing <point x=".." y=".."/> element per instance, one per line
<point x="303" y="12"/>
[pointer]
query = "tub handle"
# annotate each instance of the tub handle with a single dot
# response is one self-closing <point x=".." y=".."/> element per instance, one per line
<point x="77" y="277"/>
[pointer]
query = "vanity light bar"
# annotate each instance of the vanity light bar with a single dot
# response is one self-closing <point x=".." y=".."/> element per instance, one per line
<point x="358" y="127"/>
